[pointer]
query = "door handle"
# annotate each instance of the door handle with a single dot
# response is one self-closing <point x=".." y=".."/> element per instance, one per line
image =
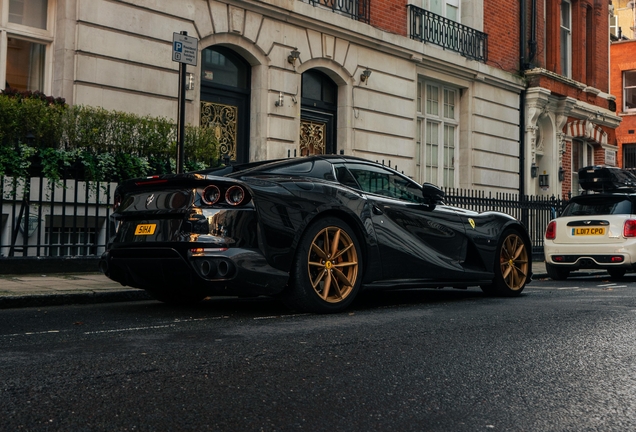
<point x="376" y="210"/>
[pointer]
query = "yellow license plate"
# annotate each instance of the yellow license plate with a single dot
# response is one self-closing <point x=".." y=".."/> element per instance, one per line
<point x="598" y="231"/>
<point x="145" y="229"/>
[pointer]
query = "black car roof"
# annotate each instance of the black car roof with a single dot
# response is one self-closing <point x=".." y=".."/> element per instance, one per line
<point x="266" y="165"/>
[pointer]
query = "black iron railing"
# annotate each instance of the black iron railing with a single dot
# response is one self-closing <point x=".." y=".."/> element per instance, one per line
<point x="535" y="212"/>
<point x="355" y="9"/>
<point x="72" y="219"/>
<point x="41" y="219"/>
<point x="429" y="27"/>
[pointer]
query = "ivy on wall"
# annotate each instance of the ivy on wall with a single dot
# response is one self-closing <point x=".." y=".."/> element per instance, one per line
<point x="40" y="134"/>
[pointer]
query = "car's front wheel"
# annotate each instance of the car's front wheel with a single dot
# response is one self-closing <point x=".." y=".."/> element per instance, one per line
<point x="512" y="267"/>
<point x="557" y="273"/>
<point x="327" y="269"/>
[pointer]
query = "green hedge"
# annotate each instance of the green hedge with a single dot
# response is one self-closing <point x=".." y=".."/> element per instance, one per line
<point x="43" y="134"/>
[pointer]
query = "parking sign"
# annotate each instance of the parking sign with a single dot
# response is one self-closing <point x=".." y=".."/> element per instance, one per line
<point x="184" y="49"/>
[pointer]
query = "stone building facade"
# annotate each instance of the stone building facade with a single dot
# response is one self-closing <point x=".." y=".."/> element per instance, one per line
<point x="436" y="88"/>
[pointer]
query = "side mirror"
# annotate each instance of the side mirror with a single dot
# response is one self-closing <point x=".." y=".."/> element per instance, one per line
<point x="433" y="192"/>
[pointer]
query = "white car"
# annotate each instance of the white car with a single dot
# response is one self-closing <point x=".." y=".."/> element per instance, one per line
<point x="595" y="230"/>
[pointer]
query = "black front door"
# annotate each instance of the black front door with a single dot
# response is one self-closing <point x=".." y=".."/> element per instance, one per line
<point x="225" y="95"/>
<point x="319" y="103"/>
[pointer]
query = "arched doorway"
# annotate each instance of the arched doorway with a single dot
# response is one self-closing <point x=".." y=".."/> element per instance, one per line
<point x="225" y="96"/>
<point x="318" y="114"/>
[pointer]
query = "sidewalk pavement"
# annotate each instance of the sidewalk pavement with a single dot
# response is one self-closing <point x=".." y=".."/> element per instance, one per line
<point x="34" y="290"/>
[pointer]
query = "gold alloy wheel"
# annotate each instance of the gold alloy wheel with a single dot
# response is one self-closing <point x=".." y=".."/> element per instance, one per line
<point x="514" y="263"/>
<point x="333" y="264"/>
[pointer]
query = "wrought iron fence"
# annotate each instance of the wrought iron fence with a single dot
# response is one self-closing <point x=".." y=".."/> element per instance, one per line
<point x="41" y="218"/>
<point x="355" y="9"/>
<point x="533" y="211"/>
<point x="71" y="219"/>
<point x="429" y="27"/>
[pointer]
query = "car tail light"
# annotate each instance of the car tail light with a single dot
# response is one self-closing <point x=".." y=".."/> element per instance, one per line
<point x="235" y="195"/>
<point x="151" y="180"/>
<point x="629" y="229"/>
<point x="550" y="231"/>
<point x="617" y="259"/>
<point x="211" y="194"/>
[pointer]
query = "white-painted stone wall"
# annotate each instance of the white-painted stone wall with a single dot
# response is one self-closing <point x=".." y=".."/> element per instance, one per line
<point x="117" y="54"/>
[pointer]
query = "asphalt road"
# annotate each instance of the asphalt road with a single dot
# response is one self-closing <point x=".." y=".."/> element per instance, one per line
<point x="561" y="357"/>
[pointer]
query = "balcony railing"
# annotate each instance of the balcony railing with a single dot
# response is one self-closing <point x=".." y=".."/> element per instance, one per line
<point x="429" y="27"/>
<point x="355" y="9"/>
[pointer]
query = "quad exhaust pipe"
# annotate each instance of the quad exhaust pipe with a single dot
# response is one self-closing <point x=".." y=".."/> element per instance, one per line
<point x="216" y="268"/>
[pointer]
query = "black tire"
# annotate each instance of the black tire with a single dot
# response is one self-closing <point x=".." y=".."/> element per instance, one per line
<point x="557" y="273"/>
<point x="325" y="279"/>
<point x="616" y="273"/>
<point x="512" y="264"/>
<point x="176" y="298"/>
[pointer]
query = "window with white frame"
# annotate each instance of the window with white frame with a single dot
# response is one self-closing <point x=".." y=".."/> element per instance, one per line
<point x="438" y="128"/>
<point x="447" y="8"/>
<point x="582" y="156"/>
<point x="629" y="91"/>
<point x="613" y="23"/>
<point x="566" y="38"/>
<point x="27" y="35"/>
<point x="30" y="13"/>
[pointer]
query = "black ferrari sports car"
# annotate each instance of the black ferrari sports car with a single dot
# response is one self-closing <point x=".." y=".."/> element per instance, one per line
<point x="313" y="231"/>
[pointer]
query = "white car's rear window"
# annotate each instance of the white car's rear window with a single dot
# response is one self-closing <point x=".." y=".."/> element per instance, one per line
<point x="599" y="206"/>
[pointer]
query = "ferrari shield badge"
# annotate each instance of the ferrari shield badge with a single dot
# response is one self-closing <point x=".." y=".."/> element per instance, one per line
<point x="471" y="222"/>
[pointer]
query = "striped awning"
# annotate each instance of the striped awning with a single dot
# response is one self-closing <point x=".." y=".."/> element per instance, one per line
<point x="586" y="129"/>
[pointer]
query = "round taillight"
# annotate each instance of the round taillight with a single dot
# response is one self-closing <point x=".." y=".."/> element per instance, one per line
<point x="211" y="194"/>
<point x="235" y="195"/>
<point x="550" y="231"/>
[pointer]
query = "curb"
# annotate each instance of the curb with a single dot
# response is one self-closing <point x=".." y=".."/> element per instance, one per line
<point x="37" y="300"/>
<point x="92" y="297"/>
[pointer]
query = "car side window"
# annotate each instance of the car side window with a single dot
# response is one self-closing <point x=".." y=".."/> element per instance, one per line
<point x="380" y="181"/>
<point x="344" y="176"/>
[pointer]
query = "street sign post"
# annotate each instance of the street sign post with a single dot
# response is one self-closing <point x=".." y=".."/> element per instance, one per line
<point x="184" y="48"/>
<point x="185" y="51"/>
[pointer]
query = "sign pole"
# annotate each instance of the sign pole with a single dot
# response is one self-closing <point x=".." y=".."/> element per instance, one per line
<point x="184" y="51"/>
<point x="181" y="118"/>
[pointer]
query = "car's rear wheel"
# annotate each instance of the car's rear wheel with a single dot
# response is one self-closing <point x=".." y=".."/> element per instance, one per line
<point x="327" y="269"/>
<point x="616" y="273"/>
<point x="557" y="273"/>
<point x="512" y="267"/>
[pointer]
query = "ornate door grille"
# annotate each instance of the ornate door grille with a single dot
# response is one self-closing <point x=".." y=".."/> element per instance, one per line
<point x="223" y="119"/>
<point x="313" y="139"/>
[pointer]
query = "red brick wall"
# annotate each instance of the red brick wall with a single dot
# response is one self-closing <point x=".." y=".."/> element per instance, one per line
<point x="566" y="186"/>
<point x="501" y="24"/>
<point x="548" y="49"/>
<point x="390" y="16"/>
<point x="601" y="53"/>
<point x="623" y="57"/>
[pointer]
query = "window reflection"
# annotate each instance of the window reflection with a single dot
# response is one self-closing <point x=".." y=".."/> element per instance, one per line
<point x="25" y="65"/>
<point x="31" y="13"/>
